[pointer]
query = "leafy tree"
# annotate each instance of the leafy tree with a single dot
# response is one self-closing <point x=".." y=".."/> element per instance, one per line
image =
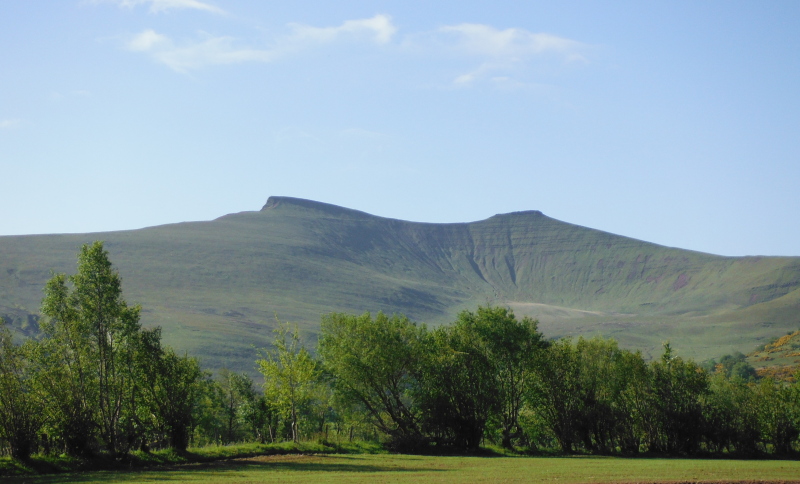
<point x="733" y="365"/>
<point x="170" y="389"/>
<point x="208" y="415"/>
<point x="478" y="370"/>
<point x="290" y="374"/>
<point x="512" y="347"/>
<point x="555" y="392"/>
<point x="678" y="390"/>
<point x="67" y="393"/>
<point x="90" y="343"/>
<point x="633" y="381"/>
<point x="20" y="418"/>
<point x="458" y="390"/>
<point x="778" y="415"/>
<point x="601" y="382"/>
<point x="731" y="415"/>
<point x="376" y="363"/>
<point x="233" y="385"/>
<point x="254" y="410"/>
<point x="593" y="394"/>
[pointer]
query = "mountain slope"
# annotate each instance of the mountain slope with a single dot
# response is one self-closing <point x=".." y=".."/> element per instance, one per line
<point x="216" y="287"/>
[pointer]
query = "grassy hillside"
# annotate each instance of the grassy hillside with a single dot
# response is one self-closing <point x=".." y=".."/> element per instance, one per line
<point x="216" y="287"/>
<point x="779" y="358"/>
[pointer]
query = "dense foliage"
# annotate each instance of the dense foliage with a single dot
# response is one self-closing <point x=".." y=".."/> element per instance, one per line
<point x="95" y="381"/>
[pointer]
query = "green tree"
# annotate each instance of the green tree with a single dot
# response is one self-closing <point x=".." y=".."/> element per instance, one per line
<point x="90" y="344"/>
<point x="731" y="415"/>
<point x="512" y="347"/>
<point x="479" y="369"/>
<point x="632" y="380"/>
<point x="777" y="415"/>
<point x="20" y="415"/>
<point x="254" y="410"/>
<point x="376" y="363"/>
<point x="679" y="387"/>
<point x="457" y="393"/>
<point x="209" y="415"/>
<point x="232" y="385"/>
<point x="556" y="390"/>
<point x="170" y="388"/>
<point x="594" y="395"/>
<point x="290" y="374"/>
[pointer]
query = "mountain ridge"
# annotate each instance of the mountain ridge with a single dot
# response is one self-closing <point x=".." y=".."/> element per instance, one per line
<point x="216" y="286"/>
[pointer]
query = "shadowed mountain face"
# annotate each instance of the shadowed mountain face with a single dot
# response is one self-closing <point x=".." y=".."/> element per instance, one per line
<point x="216" y="287"/>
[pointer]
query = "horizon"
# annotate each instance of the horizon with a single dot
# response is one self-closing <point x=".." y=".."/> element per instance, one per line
<point x="520" y="212"/>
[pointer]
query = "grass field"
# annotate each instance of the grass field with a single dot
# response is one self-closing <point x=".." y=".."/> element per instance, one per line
<point x="418" y="469"/>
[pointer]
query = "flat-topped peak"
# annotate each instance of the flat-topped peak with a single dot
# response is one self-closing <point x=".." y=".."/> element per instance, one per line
<point x="276" y="202"/>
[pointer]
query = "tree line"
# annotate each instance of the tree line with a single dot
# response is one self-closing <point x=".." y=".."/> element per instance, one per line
<point x="97" y="381"/>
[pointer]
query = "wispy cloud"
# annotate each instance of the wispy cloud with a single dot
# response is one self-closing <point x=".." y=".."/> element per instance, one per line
<point x="496" y="50"/>
<point x="9" y="123"/>
<point x="510" y="44"/>
<point x="218" y="50"/>
<point x="194" y="55"/>
<point x="157" y="6"/>
<point x="497" y="56"/>
<point x="379" y="27"/>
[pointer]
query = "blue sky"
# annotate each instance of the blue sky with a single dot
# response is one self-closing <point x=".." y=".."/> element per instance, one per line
<point x="672" y="122"/>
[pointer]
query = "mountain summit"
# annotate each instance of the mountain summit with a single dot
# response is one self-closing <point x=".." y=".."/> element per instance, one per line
<point x="216" y="287"/>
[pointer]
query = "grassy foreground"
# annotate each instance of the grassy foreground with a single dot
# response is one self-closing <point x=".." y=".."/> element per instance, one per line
<point x="417" y="469"/>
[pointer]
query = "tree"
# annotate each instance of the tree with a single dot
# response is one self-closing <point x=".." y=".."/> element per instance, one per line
<point x="254" y="410"/>
<point x="170" y="389"/>
<point x="231" y="385"/>
<point x="512" y="347"/>
<point x="20" y="419"/>
<point x="778" y="414"/>
<point x="376" y="363"/>
<point x="731" y="415"/>
<point x="555" y="393"/>
<point x="632" y="381"/>
<point x="290" y="374"/>
<point x="480" y="368"/>
<point x="679" y="388"/>
<point x="457" y="393"/>
<point x="90" y="343"/>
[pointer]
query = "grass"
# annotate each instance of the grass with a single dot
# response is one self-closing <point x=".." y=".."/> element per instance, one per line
<point x="137" y="460"/>
<point x="371" y="468"/>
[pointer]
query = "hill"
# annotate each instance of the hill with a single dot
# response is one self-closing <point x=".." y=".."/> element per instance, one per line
<point x="779" y="358"/>
<point x="216" y="287"/>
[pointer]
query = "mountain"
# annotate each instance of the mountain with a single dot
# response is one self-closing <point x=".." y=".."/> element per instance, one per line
<point x="217" y="287"/>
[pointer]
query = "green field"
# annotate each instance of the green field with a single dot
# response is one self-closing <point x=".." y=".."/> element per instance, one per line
<point x="418" y="469"/>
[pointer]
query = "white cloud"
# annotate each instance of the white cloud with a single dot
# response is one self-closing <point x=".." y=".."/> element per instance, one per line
<point x="379" y="27"/>
<point x="9" y="123"/>
<point x="157" y="6"/>
<point x="485" y="40"/>
<point x="505" y="57"/>
<point x="224" y="50"/>
<point x="211" y="51"/>
<point x="502" y="50"/>
<point x="149" y="40"/>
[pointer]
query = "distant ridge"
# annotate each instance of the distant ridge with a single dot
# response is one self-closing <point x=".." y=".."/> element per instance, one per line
<point x="215" y="287"/>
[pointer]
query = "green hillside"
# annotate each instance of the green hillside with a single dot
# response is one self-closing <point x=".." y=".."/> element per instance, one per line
<point x="216" y="287"/>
